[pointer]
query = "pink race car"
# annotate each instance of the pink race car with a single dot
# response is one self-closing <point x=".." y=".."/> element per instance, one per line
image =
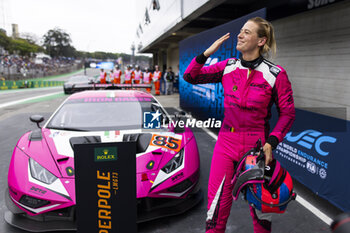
<point x="41" y="185"/>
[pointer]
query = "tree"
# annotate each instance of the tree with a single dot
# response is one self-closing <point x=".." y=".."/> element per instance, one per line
<point x="57" y="43"/>
<point x="23" y="47"/>
<point x="4" y="40"/>
<point x="30" y="37"/>
<point x="69" y="51"/>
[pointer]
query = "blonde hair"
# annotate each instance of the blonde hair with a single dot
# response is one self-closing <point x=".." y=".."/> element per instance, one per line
<point x="265" y="29"/>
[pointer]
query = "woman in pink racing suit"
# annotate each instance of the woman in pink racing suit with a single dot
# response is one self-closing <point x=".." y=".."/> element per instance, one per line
<point x="251" y="85"/>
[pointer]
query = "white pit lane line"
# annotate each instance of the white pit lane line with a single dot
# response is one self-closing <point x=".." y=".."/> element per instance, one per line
<point x="26" y="99"/>
<point x="10" y="91"/>
<point x="299" y="199"/>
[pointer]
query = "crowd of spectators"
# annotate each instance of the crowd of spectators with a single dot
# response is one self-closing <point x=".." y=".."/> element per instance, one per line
<point x="16" y="67"/>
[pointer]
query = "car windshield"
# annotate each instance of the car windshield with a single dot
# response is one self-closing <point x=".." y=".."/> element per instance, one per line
<point x="102" y="115"/>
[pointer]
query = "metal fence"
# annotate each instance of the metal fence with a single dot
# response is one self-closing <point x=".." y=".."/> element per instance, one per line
<point x="19" y="73"/>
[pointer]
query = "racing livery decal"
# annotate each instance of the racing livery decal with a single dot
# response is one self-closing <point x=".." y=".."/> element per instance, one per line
<point x="167" y="142"/>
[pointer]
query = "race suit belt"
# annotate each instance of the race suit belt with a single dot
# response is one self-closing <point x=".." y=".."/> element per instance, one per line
<point x="229" y="128"/>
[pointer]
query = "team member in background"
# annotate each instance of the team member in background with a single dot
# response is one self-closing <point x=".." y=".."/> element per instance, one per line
<point x="109" y="78"/>
<point x="162" y="82"/>
<point x="251" y="85"/>
<point x="103" y="76"/>
<point x="156" y="79"/>
<point x="147" y="77"/>
<point x="117" y="75"/>
<point x="129" y="75"/>
<point x="169" y="77"/>
<point x="138" y="75"/>
<point x="176" y="80"/>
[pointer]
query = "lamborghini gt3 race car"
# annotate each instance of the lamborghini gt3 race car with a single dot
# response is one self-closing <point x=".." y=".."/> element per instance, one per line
<point x="41" y="185"/>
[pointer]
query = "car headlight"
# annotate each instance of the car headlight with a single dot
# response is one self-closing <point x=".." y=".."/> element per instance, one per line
<point x="40" y="173"/>
<point x="174" y="163"/>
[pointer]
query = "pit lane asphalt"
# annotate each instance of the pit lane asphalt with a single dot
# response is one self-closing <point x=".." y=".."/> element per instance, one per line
<point x="14" y="121"/>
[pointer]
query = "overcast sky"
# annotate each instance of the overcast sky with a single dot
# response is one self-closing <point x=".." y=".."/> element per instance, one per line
<point x="104" y="25"/>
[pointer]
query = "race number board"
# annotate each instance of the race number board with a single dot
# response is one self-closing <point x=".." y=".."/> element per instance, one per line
<point x="105" y="181"/>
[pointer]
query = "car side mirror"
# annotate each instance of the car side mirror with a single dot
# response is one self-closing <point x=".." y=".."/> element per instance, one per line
<point x="36" y="119"/>
<point x="155" y="106"/>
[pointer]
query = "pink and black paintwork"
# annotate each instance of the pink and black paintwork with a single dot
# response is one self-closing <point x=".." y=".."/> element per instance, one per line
<point x="159" y="194"/>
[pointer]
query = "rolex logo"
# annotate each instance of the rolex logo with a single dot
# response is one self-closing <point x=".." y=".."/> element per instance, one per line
<point x="105" y="154"/>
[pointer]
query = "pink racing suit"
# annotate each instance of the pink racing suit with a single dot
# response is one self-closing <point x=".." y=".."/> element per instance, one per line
<point x="250" y="89"/>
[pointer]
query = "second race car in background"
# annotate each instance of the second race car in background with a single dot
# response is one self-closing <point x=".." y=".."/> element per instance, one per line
<point x="78" y="83"/>
<point x="83" y="83"/>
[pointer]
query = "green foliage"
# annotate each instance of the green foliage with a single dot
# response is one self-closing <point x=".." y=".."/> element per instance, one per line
<point x="57" y="43"/>
<point x="21" y="46"/>
<point x="4" y="40"/>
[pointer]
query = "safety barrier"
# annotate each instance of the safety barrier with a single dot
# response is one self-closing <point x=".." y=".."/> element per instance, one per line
<point x="9" y="85"/>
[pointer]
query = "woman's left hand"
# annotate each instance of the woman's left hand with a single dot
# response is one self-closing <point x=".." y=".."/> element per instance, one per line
<point x="268" y="153"/>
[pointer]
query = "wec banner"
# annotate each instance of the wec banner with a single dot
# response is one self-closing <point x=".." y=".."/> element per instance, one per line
<point x="105" y="179"/>
<point x="315" y="152"/>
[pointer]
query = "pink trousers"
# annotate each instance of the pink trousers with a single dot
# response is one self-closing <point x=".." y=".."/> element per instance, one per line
<point x="228" y="149"/>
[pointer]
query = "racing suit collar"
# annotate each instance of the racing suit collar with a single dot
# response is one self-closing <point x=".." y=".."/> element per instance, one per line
<point x="251" y="64"/>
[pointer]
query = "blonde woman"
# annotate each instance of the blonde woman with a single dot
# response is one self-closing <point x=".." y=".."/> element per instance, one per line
<point x="251" y="85"/>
